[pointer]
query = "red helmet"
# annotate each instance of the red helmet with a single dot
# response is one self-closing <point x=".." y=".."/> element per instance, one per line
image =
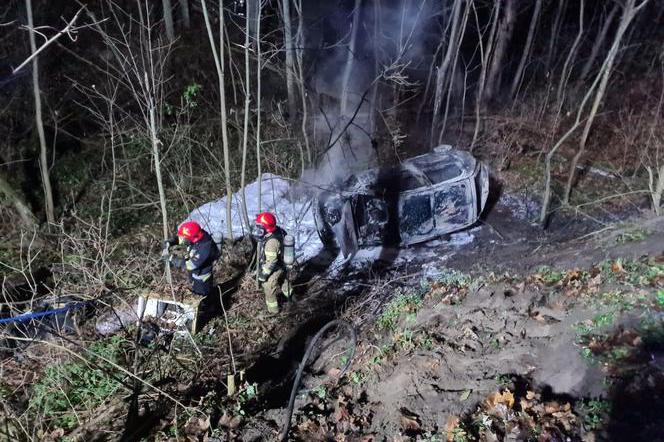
<point x="191" y="231"/>
<point x="267" y="220"/>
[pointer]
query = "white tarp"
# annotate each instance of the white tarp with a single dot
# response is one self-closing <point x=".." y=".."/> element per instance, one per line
<point x="292" y="208"/>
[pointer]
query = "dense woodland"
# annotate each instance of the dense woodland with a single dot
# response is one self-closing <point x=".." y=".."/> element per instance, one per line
<point x="120" y="116"/>
<point x="576" y="82"/>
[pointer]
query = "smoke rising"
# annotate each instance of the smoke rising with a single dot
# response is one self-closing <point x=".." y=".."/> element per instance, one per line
<point x="391" y="46"/>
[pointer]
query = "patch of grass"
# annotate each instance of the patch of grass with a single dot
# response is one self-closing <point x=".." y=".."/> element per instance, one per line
<point x="604" y="319"/>
<point x="618" y="354"/>
<point x="451" y="277"/>
<point x="407" y="304"/>
<point x="247" y="393"/>
<point x="503" y="380"/>
<point x="594" y="412"/>
<point x="588" y="354"/>
<point x="659" y="298"/>
<point x="320" y="392"/>
<point x="632" y="236"/>
<point x="459" y="435"/>
<point x="357" y="377"/>
<point x="619" y="301"/>
<point x="550" y="276"/>
<point x="652" y="331"/>
<point x="643" y="272"/>
<point x="71" y="387"/>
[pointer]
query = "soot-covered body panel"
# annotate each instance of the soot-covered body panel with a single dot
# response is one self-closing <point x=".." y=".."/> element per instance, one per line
<point x="425" y="197"/>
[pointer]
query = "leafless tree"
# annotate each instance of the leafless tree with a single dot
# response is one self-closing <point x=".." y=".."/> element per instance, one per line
<point x="184" y="11"/>
<point x="43" y="161"/>
<point x="599" y="43"/>
<point x="571" y="56"/>
<point x="630" y="9"/>
<point x="16" y="200"/>
<point x="485" y="54"/>
<point x="290" y="58"/>
<point x="245" y="126"/>
<point x="442" y="76"/>
<point x="503" y="38"/>
<point x="167" y="8"/>
<point x="220" y="66"/>
<point x="555" y="32"/>
<point x="525" y="56"/>
<point x="350" y="57"/>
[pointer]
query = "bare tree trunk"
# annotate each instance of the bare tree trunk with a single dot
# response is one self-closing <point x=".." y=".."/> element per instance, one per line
<point x="441" y="75"/>
<point x="259" y="69"/>
<point x="516" y="81"/>
<point x="168" y="19"/>
<point x="373" y="102"/>
<point x="12" y="197"/>
<point x="484" y="57"/>
<point x="553" y="38"/>
<point x="245" y="128"/>
<point x="43" y="161"/>
<point x="184" y="10"/>
<point x="425" y="94"/>
<point x="656" y="186"/>
<point x="156" y="157"/>
<point x="348" y="68"/>
<point x="569" y="61"/>
<point x="464" y="24"/>
<point x="220" y="66"/>
<point x="299" y="41"/>
<point x="629" y="12"/>
<point x="503" y="38"/>
<point x="290" y="62"/>
<point x="599" y="42"/>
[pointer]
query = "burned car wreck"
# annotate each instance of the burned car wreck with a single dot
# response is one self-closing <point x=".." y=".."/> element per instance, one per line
<point x="422" y="198"/>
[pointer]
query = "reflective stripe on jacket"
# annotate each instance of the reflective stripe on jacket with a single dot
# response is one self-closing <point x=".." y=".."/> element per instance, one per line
<point x="272" y="252"/>
<point x="201" y="257"/>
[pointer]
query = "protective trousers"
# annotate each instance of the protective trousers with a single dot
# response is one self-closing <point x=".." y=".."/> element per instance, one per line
<point x="277" y="282"/>
<point x="202" y="286"/>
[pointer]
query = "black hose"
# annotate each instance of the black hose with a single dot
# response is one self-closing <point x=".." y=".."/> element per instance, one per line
<point x="303" y="364"/>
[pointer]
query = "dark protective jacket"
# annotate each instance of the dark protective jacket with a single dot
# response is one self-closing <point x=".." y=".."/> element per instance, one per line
<point x="201" y="257"/>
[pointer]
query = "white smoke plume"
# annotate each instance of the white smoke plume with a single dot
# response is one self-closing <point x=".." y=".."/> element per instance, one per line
<point x="391" y="46"/>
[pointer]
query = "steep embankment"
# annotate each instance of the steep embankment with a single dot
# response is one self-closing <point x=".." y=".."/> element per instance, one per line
<point x="539" y="342"/>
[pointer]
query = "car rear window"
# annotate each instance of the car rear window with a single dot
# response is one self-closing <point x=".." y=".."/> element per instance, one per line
<point x="442" y="172"/>
<point x="408" y="181"/>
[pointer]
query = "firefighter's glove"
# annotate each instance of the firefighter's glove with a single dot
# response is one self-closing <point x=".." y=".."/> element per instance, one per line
<point x="262" y="276"/>
<point x="170" y="242"/>
<point x="177" y="262"/>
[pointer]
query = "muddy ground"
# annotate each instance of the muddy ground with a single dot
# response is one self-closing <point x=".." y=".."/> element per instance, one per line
<point x="503" y="332"/>
<point x="448" y="331"/>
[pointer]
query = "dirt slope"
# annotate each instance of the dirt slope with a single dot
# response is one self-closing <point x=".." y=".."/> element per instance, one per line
<point x="539" y="353"/>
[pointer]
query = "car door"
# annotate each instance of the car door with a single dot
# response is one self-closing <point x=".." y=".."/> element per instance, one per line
<point x="344" y="230"/>
<point x="453" y="206"/>
<point x="416" y="216"/>
<point x="415" y="211"/>
<point x="371" y="218"/>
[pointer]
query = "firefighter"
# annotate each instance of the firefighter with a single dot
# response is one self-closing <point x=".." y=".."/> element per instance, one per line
<point x="199" y="259"/>
<point x="272" y="272"/>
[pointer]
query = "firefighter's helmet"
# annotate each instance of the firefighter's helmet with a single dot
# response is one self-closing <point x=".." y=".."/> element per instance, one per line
<point x="191" y="231"/>
<point x="267" y="221"/>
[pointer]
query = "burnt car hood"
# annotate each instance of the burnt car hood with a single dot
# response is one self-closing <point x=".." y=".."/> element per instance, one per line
<point x="424" y="197"/>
